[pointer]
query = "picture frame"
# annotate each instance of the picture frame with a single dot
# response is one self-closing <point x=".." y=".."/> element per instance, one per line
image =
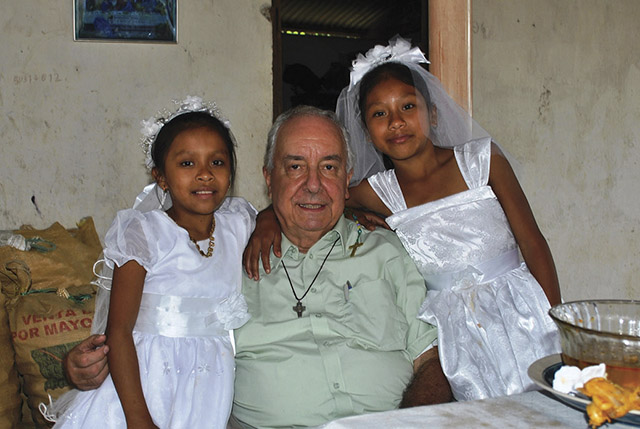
<point x="126" y="20"/>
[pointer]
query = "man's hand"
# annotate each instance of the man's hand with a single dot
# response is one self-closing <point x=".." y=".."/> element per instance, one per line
<point x="429" y="385"/>
<point x="86" y="364"/>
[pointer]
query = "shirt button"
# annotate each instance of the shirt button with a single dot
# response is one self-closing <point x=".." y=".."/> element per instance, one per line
<point x="336" y="385"/>
<point x="313" y="290"/>
<point x="318" y="315"/>
<point x="310" y="256"/>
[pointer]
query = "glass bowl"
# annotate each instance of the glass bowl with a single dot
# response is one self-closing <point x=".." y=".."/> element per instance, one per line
<point x="601" y="331"/>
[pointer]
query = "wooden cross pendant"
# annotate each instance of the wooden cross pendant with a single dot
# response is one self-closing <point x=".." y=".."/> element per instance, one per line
<point x="299" y="308"/>
<point x="354" y="247"/>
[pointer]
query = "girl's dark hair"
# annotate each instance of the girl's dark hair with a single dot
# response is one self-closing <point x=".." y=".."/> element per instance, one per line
<point x="387" y="71"/>
<point x="191" y="121"/>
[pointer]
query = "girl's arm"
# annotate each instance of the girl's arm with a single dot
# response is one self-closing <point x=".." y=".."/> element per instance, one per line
<point x="363" y="205"/>
<point x="126" y="293"/>
<point x="267" y="233"/>
<point x="362" y="196"/>
<point x="532" y="243"/>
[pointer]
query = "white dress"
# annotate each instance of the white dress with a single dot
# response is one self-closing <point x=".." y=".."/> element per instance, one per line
<point x="490" y="311"/>
<point x="189" y="304"/>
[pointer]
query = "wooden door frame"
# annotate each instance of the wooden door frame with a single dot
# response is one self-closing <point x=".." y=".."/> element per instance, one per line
<point x="449" y="49"/>
<point x="276" y="65"/>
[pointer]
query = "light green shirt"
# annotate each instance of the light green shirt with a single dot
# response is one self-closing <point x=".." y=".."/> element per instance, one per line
<point x="352" y="350"/>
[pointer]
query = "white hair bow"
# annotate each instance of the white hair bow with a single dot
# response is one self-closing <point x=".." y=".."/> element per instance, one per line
<point x="398" y="50"/>
<point x="151" y="127"/>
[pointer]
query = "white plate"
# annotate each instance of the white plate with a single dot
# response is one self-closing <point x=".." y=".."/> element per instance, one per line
<point x="542" y="372"/>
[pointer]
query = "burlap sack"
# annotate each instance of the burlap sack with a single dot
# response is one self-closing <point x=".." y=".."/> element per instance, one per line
<point x="49" y="304"/>
<point x="10" y="400"/>
<point x="58" y="256"/>
<point x="44" y="327"/>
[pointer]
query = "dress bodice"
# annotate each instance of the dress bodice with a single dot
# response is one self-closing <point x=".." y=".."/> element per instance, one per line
<point x="184" y="293"/>
<point x="449" y="234"/>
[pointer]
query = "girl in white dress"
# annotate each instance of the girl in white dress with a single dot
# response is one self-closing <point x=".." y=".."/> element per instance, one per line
<point x="455" y="203"/>
<point x="175" y="292"/>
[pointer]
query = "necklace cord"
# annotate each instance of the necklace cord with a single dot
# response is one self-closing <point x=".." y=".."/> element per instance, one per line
<point x="314" y="279"/>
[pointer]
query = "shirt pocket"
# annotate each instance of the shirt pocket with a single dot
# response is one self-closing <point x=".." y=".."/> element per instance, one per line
<point x="375" y="318"/>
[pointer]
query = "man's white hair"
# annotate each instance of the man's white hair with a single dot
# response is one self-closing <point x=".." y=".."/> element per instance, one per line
<point x="297" y="112"/>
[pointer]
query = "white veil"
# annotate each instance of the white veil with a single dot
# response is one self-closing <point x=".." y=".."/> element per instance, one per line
<point x="454" y="125"/>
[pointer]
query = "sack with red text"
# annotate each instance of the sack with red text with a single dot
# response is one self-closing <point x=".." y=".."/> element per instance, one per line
<point x="49" y="303"/>
<point x="11" y="402"/>
<point x="44" y="327"/>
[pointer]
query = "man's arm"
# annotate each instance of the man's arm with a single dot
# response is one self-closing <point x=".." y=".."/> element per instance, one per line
<point x="86" y="364"/>
<point x="429" y="385"/>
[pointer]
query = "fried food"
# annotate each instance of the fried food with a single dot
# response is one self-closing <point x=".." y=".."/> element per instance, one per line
<point x="608" y="400"/>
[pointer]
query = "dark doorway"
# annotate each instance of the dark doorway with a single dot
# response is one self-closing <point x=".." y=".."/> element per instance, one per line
<point x="316" y="40"/>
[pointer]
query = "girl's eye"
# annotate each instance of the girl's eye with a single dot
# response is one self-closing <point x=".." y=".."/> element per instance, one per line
<point x="409" y="106"/>
<point x="377" y="114"/>
<point x="218" y="163"/>
<point x="186" y="163"/>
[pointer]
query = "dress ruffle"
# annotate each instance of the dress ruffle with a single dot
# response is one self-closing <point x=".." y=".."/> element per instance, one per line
<point x="489" y="333"/>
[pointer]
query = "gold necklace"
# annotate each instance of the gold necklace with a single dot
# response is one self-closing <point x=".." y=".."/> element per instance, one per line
<point x="212" y="241"/>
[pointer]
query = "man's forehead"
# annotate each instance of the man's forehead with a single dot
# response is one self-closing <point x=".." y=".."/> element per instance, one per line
<point x="310" y="135"/>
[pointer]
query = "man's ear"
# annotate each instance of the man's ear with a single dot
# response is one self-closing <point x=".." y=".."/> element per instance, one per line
<point x="346" y="191"/>
<point x="267" y="179"/>
<point x="159" y="178"/>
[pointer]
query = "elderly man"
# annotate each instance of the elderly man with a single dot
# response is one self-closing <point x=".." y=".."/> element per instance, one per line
<point x="333" y="331"/>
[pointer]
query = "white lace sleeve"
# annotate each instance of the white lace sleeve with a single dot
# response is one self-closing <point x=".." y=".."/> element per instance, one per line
<point x="240" y="209"/>
<point x="129" y="239"/>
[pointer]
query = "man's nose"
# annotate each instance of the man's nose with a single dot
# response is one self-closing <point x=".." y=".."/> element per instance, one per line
<point x="312" y="182"/>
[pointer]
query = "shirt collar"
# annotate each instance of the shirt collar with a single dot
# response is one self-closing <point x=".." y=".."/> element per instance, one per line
<point x="340" y="231"/>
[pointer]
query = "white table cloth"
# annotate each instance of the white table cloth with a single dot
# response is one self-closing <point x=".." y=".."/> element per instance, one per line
<point x="527" y="410"/>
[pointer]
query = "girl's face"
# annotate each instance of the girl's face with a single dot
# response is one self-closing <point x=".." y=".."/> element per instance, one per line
<point x="197" y="172"/>
<point x="397" y="118"/>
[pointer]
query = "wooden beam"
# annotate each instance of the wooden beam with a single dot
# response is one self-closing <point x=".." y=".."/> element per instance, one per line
<point x="450" y="47"/>
<point x="276" y="26"/>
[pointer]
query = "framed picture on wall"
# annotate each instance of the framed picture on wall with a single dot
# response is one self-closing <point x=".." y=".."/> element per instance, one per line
<point x="126" y="20"/>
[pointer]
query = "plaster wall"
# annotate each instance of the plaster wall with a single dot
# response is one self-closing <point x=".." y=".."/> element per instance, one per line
<point x="557" y="83"/>
<point x="70" y="111"/>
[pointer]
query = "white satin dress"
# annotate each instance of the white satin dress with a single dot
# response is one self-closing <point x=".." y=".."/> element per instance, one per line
<point x="490" y="311"/>
<point x="181" y="335"/>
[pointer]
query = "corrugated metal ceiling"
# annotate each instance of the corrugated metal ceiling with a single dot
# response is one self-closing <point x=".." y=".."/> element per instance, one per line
<point x="355" y="18"/>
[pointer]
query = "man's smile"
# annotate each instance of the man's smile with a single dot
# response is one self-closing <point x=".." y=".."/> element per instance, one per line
<point x="311" y="206"/>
